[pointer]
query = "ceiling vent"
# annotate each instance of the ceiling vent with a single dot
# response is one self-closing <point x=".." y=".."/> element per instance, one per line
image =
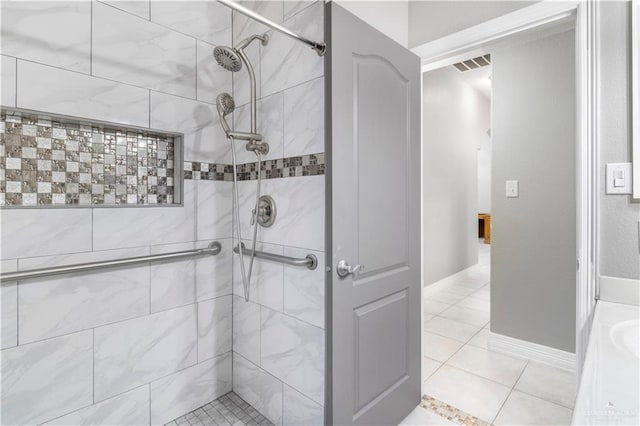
<point x="471" y="64"/>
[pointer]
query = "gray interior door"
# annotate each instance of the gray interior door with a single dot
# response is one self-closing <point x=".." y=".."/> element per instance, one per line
<point x="373" y="114"/>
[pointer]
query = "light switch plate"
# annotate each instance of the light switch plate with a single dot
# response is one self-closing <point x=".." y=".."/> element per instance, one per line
<point x="512" y="189"/>
<point x="619" y="178"/>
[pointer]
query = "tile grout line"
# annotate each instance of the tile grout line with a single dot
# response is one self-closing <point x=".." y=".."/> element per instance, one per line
<point x="198" y="333"/>
<point x="195" y="68"/>
<point x="97" y="77"/>
<point x="92" y="404"/>
<point x="559" y="404"/>
<point x="231" y="272"/>
<point x="280" y="380"/>
<point x="149" y="282"/>
<point x="15" y="100"/>
<point x="282" y="416"/>
<point x="91" y="39"/>
<point x="17" y="310"/>
<point x="149" y="20"/>
<point x="509" y="394"/>
<point x="448" y="359"/>
<point x="458" y="350"/>
<point x="93" y="362"/>
<point x="115" y="323"/>
<point x="148" y="88"/>
<point x="482" y="377"/>
<point x="92" y="228"/>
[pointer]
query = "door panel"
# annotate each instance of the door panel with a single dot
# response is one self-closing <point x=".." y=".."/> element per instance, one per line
<point x="380" y="92"/>
<point x="384" y="322"/>
<point x="373" y="181"/>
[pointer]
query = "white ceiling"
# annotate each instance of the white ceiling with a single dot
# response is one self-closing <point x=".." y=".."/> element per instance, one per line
<point x="479" y="79"/>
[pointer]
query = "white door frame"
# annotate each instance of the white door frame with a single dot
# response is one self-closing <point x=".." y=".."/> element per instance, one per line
<point x="472" y="41"/>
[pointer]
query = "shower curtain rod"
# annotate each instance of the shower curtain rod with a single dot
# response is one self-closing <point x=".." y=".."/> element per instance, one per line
<point x="320" y="48"/>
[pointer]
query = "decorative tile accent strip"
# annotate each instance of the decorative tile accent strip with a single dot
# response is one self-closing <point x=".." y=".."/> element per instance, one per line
<point x="229" y="409"/>
<point x="48" y="162"/>
<point x="208" y="171"/>
<point x="304" y="165"/>
<point x="451" y="413"/>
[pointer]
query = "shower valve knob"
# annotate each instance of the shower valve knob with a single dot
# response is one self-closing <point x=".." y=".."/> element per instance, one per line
<point x="343" y="269"/>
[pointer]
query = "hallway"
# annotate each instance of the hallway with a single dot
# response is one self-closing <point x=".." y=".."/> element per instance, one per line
<point x="467" y="383"/>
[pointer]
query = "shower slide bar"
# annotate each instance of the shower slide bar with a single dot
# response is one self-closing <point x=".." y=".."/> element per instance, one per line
<point x="213" y="249"/>
<point x="320" y="48"/>
<point x="310" y="261"/>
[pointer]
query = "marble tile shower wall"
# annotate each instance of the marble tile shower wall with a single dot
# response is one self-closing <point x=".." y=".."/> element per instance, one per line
<point x="139" y="345"/>
<point x="279" y="335"/>
<point x="147" y="344"/>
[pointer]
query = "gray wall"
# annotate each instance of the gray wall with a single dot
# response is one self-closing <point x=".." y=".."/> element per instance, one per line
<point x="484" y="175"/>
<point x="618" y="215"/>
<point x="430" y="20"/>
<point x="534" y="239"/>
<point x="455" y="119"/>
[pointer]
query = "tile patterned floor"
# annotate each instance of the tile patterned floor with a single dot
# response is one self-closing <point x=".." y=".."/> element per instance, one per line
<point x="465" y="382"/>
<point x="450" y="413"/>
<point x="227" y="410"/>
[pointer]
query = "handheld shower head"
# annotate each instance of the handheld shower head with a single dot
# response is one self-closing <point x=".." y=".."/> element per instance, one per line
<point x="225" y="105"/>
<point x="225" y="102"/>
<point x="227" y="58"/>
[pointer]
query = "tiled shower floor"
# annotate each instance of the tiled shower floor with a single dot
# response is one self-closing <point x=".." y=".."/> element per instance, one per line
<point x="227" y="410"/>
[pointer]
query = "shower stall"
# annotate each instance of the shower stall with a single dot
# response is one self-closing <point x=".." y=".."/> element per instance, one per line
<point x="133" y="140"/>
<point x="173" y="244"/>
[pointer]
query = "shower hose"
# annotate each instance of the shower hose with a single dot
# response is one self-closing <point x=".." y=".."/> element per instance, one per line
<point x="246" y="275"/>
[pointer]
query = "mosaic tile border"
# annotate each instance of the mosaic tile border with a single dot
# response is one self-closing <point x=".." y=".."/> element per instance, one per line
<point x="50" y="161"/>
<point x="450" y="412"/>
<point x="229" y="409"/>
<point x="303" y="165"/>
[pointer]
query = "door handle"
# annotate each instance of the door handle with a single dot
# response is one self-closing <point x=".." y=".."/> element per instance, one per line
<point x="344" y="269"/>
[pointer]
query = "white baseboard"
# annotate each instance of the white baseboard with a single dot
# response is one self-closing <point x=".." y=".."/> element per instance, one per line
<point x="620" y="290"/>
<point x="532" y="351"/>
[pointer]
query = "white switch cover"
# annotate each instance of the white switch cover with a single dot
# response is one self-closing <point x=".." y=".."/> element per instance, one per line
<point x="619" y="178"/>
<point x="512" y="189"/>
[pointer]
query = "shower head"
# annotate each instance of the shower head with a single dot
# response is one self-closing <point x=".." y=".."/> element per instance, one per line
<point x="227" y="58"/>
<point x="230" y="58"/>
<point x="225" y="105"/>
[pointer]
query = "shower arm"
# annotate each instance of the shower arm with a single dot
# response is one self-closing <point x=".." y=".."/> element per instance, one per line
<point x="320" y="48"/>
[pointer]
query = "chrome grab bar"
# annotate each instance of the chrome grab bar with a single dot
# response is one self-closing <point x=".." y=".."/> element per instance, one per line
<point x="213" y="249"/>
<point x="310" y="261"/>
